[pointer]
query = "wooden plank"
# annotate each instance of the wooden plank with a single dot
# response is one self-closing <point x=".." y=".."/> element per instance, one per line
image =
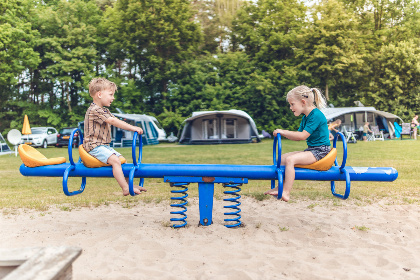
<point x="46" y="263"/>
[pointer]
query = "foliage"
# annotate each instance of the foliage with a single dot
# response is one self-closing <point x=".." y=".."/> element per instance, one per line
<point x="395" y="82"/>
<point x="170" y="58"/>
<point x="331" y="48"/>
<point x="153" y="36"/>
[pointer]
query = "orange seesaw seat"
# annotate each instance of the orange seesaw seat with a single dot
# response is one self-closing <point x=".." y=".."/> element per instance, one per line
<point x="92" y="162"/>
<point x="324" y="164"/>
<point x="33" y="158"/>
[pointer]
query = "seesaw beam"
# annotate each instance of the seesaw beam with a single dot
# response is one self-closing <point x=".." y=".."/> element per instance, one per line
<point x="252" y="172"/>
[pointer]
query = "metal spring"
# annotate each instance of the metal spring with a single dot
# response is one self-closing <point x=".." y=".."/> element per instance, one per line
<point x="183" y="201"/>
<point x="234" y="222"/>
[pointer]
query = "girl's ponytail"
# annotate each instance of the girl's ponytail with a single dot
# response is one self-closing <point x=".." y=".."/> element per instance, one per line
<point x="319" y="98"/>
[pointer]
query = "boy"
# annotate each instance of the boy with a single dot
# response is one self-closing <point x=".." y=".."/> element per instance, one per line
<point x="98" y="121"/>
<point x="366" y="129"/>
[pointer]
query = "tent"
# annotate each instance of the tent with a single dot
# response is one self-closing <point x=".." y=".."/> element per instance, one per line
<point x="219" y="127"/>
<point x="353" y="118"/>
<point x="4" y="148"/>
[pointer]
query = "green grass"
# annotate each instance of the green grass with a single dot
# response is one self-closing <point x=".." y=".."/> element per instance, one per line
<point x="361" y="228"/>
<point x="17" y="191"/>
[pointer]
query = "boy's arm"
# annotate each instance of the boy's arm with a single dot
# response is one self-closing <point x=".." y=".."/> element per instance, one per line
<point x="123" y="125"/>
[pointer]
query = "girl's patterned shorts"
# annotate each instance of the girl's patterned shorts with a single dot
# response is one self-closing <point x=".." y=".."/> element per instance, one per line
<point x="319" y="152"/>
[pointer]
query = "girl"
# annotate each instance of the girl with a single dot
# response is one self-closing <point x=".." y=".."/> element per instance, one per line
<point x="313" y="128"/>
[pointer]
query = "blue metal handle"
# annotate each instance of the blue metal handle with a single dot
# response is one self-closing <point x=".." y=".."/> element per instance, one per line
<point x="70" y="150"/>
<point x="277" y="157"/>
<point x="280" y="184"/>
<point x="65" y="179"/>
<point x="277" y="162"/>
<point x="347" y="192"/>
<point x="136" y="164"/>
<point x="343" y="164"/>
<point x="72" y="165"/>
<point x="342" y="169"/>
<point x="133" y="148"/>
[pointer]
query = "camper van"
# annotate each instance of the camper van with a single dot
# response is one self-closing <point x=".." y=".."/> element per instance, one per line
<point x="152" y="130"/>
<point x="161" y="132"/>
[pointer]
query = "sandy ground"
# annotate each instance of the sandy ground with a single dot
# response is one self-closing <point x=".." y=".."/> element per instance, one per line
<point x="301" y="240"/>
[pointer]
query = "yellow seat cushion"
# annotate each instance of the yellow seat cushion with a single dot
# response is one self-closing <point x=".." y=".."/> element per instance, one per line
<point x="31" y="157"/>
<point x="92" y="162"/>
<point x="324" y="164"/>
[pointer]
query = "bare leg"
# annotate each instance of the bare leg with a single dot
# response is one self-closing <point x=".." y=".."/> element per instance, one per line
<point x="119" y="175"/>
<point x="289" y="177"/>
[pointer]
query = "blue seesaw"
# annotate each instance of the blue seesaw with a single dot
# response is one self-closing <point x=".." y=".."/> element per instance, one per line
<point x="206" y="175"/>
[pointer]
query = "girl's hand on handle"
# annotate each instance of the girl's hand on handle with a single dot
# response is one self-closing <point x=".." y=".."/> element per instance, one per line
<point x="275" y="132"/>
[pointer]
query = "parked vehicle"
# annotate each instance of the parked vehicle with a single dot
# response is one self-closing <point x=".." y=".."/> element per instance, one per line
<point x="63" y="137"/>
<point x="41" y="137"/>
<point x="153" y="131"/>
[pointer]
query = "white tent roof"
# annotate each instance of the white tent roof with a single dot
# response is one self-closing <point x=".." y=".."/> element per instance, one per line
<point x="134" y="117"/>
<point x="331" y="113"/>
<point x="241" y="113"/>
<point x="232" y="112"/>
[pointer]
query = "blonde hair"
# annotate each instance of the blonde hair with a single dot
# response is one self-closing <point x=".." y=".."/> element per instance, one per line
<point x="313" y="95"/>
<point x="99" y="84"/>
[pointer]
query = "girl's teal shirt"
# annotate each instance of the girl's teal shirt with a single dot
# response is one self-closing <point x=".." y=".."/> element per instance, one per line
<point x="316" y="125"/>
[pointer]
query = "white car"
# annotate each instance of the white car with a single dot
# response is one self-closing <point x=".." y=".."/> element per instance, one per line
<point x="40" y="137"/>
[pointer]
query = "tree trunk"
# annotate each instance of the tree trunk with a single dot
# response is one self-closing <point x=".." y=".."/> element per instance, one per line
<point x="326" y="91"/>
<point x="67" y="91"/>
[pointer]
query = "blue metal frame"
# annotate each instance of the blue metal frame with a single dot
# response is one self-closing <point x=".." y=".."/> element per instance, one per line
<point x="72" y="166"/>
<point x="277" y="164"/>
<point x="136" y="164"/>
<point x="342" y="169"/>
<point x="206" y="175"/>
<point x="205" y="194"/>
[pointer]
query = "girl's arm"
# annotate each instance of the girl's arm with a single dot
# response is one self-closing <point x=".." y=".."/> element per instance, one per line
<point x="292" y="135"/>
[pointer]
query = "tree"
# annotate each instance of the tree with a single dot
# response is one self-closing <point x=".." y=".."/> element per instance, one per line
<point x="149" y="38"/>
<point x="267" y="30"/>
<point x="67" y="45"/>
<point x="331" y="48"/>
<point x="230" y="81"/>
<point x="395" y="84"/>
<point x="16" y="54"/>
<point x="216" y="17"/>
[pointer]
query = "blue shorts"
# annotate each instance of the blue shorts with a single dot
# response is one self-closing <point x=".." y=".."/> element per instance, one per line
<point x="103" y="152"/>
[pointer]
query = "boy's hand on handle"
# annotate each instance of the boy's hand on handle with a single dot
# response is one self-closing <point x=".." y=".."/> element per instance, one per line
<point x="139" y="130"/>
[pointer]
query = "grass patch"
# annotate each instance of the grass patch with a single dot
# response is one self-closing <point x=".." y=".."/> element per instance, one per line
<point x="40" y="193"/>
<point x="361" y="228"/>
<point x="283" y="229"/>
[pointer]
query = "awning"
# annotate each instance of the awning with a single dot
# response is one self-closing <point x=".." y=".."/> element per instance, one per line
<point x="331" y="113"/>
